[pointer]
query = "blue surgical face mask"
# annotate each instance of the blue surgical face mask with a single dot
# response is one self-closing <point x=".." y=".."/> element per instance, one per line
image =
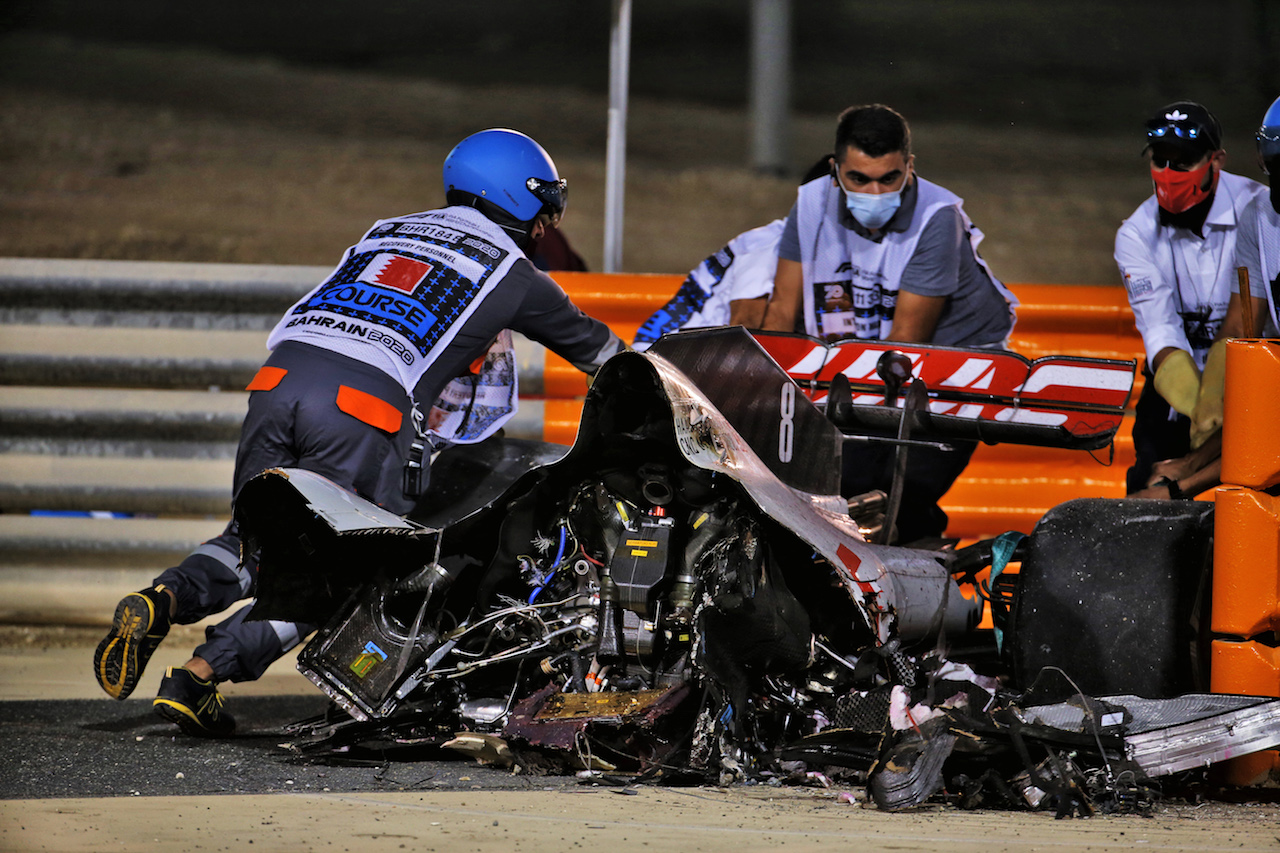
<point x="873" y="210"/>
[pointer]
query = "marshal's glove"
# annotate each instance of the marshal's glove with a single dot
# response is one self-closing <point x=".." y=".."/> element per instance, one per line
<point x="1206" y="417"/>
<point x="1178" y="381"/>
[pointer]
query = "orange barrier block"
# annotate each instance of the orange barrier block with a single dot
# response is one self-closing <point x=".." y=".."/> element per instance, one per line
<point x="561" y="380"/>
<point x="1096" y="309"/>
<point x="1245" y="667"/>
<point x="1009" y="486"/>
<point x="1246" y="563"/>
<point x="1053" y="319"/>
<point x="622" y="300"/>
<point x="1250" y="441"/>
<point x="1247" y="771"/>
<point x="1246" y="558"/>
<point x="1251" y="669"/>
<point x="560" y="420"/>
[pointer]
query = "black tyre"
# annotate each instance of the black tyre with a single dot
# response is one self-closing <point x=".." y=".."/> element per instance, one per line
<point x="1115" y="594"/>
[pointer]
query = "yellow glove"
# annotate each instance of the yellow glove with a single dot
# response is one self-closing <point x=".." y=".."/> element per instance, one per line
<point x="1178" y="381"/>
<point x="1206" y="417"/>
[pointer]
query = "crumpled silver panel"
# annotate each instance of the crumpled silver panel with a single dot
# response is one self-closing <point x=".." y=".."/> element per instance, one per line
<point x="344" y="511"/>
<point x="1171" y="735"/>
<point x="708" y="440"/>
<point x="1164" y="736"/>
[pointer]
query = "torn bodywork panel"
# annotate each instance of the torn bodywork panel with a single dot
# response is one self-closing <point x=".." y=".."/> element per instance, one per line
<point x="682" y="592"/>
<point x="603" y="731"/>
<point x="320" y="540"/>
<point x="1165" y="736"/>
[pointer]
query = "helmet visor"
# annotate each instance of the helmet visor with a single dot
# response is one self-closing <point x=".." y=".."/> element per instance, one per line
<point x="1268" y="145"/>
<point x="554" y="195"/>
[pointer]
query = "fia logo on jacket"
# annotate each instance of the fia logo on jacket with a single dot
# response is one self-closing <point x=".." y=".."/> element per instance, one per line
<point x="396" y="272"/>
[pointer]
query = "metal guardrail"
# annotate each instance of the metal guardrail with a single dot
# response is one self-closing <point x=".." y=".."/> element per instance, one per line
<point x="121" y="395"/>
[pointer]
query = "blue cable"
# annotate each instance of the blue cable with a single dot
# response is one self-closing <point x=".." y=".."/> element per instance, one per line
<point x="554" y="565"/>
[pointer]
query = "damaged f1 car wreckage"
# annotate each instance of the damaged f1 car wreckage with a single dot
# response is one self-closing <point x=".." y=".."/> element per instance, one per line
<point x="683" y="596"/>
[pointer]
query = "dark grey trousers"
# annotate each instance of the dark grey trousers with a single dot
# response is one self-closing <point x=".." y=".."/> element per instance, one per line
<point x="296" y="424"/>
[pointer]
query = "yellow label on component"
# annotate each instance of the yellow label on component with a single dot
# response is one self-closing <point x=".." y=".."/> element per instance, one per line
<point x="642" y="543"/>
<point x="639" y="553"/>
<point x="367" y="660"/>
<point x="363" y="663"/>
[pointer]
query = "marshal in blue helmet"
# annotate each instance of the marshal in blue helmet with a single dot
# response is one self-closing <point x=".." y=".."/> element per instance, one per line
<point x="371" y="370"/>
<point x="1268" y="139"/>
<point x="510" y="179"/>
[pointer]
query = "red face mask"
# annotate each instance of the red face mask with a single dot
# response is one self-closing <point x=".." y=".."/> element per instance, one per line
<point x="1178" y="191"/>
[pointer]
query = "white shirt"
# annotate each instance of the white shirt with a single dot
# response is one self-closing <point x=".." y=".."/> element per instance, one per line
<point x="743" y="269"/>
<point x="1179" y="283"/>
<point x="1258" y="250"/>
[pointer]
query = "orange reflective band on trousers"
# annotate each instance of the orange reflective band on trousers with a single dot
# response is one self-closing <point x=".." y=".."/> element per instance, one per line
<point x="266" y="378"/>
<point x="369" y="409"/>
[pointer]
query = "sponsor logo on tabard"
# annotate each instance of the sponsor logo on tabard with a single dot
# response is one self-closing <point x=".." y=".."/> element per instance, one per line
<point x="395" y="271"/>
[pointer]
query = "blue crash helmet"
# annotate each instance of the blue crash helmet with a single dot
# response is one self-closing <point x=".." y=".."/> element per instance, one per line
<point x="507" y="170"/>
<point x="1268" y="136"/>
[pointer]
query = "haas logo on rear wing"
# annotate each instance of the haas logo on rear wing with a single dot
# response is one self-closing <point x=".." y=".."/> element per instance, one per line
<point x="990" y="395"/>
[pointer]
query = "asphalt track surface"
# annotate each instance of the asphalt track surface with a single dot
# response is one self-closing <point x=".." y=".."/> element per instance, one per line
<point x="96" y="748"/>
<point x="84" y="773"/>
<point x="94" y="775"/>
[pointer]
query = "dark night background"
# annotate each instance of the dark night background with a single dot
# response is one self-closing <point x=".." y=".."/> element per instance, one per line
<point x="271" y="132"/>
<point x="1083" y="64"/>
